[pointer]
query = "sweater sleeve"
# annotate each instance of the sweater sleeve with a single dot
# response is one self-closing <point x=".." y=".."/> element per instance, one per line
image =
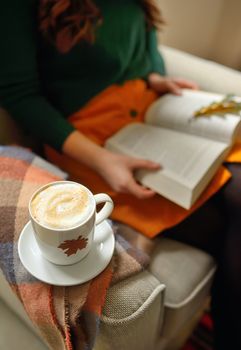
<point x="20" y="88"/>
<point x="157" y="61"/>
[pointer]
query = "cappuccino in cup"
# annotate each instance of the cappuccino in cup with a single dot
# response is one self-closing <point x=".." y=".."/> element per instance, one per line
<point x="63" y="216"/>
<point x="62" y="206"/>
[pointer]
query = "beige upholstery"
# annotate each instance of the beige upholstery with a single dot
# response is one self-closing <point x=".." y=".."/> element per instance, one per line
<point x="131" y="306"/>
<point x="187" y="273"/>
<point x="14" y="334"/>
<point x="156" y="308"/>
<point x="177" y="259"/>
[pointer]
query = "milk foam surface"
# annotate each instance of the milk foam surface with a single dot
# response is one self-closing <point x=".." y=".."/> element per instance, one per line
<point x="62" y="206"/>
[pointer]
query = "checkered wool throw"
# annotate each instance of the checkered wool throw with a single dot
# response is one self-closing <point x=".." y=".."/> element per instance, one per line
<point x="67" y="317"/>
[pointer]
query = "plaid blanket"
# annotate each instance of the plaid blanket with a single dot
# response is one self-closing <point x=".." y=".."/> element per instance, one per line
<point x="67" y="317"/>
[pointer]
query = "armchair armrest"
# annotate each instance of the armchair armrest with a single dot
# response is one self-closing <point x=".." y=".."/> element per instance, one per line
<point x="210" y="76"/>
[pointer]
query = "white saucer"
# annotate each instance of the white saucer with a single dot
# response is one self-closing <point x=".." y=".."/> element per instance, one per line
<point x="94" y="263"/>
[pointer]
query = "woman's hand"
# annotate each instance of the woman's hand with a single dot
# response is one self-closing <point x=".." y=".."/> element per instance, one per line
<point x="118" y="172"/>
<point x="162" y="84"/>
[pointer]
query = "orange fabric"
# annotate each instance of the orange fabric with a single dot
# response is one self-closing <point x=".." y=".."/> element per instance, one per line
<point x="104" y="115"/>
<point x="97" y="291"/>
<point x="112" y="109"/>
<point x="235" y="154"/>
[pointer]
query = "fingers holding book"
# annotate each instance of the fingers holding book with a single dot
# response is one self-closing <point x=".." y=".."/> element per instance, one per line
<point x="119" y="172"/>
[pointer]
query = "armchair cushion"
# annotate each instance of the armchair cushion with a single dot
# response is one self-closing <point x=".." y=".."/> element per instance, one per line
<point x="187" y="273"/>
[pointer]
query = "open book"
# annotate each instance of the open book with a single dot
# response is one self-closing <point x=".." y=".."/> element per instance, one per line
<point x="190" y="149"/>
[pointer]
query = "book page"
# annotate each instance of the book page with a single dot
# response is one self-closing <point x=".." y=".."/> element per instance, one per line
<point x="176" y="112"/>
<point x="185" y="159"/>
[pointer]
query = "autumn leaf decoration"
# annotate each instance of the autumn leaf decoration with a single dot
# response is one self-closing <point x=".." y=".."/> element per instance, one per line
<point x="71" y="246"/>
<point x="227" y="105"/>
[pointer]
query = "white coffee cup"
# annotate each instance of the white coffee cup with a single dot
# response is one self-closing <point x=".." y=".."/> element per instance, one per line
<point x="68" y="243"/>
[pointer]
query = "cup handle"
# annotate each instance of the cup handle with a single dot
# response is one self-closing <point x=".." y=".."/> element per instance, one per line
<point x="105" y="212"/>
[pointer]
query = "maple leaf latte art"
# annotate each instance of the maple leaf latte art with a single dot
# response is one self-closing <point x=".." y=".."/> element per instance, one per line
<point x="62" y="206"/>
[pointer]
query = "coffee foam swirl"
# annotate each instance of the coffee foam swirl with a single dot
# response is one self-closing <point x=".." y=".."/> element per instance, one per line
<point x="61" y="206"/>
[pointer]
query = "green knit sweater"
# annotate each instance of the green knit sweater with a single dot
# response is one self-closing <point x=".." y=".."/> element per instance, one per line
<point x="40" y="87"/>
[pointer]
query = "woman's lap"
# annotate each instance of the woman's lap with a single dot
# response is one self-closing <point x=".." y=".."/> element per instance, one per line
<point x="216" y="228"/>
<point x="204" y="229"/>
